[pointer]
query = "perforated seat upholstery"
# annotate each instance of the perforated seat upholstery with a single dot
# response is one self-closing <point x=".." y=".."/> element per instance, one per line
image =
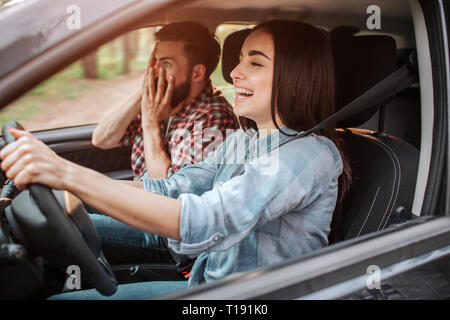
<point x="384" y="178"/>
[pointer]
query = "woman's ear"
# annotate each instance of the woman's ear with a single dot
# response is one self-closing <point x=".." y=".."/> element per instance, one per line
<point x="198" y="73"/>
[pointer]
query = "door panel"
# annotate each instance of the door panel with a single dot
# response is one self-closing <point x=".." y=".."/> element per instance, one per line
<point x="74" y="144"/>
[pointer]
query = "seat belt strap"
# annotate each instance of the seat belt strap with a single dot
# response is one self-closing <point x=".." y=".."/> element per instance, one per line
<point x="384" y="90"/>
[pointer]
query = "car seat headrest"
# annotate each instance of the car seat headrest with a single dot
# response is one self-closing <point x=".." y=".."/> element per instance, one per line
<point x="360" y="61"/>
<point x="230" y="54"/>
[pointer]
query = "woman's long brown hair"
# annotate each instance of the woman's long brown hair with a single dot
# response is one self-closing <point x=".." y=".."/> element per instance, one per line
<point x="303" y="91"/>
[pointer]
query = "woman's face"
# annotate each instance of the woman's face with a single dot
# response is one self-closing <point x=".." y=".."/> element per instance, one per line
<point x="253" y="78"/>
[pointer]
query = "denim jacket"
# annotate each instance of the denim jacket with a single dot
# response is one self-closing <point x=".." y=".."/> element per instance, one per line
<point x="254" y="201"/>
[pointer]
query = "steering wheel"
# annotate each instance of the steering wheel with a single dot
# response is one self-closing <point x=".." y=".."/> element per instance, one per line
<point x="55" y="225"/>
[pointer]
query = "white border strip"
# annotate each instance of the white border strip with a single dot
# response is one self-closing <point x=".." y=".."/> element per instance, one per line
<point x="427" y="103"/>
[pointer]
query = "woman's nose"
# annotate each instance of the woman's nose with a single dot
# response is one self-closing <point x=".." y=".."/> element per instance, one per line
<point x="236" y="73"/>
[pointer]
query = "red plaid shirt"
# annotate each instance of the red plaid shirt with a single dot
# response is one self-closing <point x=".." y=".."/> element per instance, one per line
<point x="187" y="134"/>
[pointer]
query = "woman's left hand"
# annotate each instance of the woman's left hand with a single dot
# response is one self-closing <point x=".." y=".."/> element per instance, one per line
<point x="28" y="160"/>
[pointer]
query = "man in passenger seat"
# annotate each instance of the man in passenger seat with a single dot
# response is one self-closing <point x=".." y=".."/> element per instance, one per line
<point x="185" y="56"/>
<point x="168" y="131"/>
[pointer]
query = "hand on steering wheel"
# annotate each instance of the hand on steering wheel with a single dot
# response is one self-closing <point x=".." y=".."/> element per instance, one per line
<point x="53" y="222"/>
<point x="27" y="160"/>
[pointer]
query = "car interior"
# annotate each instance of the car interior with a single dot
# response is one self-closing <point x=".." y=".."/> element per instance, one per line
<point x="385" y="142"/>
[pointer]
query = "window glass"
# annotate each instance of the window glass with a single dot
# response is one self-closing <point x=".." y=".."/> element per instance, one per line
<point x="84" y="91"/>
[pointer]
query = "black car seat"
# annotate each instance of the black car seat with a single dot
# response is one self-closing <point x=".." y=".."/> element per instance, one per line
<point x="384" y="167"/>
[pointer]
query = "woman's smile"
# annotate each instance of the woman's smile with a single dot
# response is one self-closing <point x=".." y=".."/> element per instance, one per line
<point x="242" y="94"/>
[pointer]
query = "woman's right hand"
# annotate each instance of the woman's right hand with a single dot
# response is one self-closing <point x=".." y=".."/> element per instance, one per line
<point x="28" y="160"/>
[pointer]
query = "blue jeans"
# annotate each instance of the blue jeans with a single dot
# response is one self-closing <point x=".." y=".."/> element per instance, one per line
<point x="131" y="291"/>
<point x="124" y="244"/>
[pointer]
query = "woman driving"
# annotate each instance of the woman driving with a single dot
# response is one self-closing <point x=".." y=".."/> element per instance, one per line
<point x="262" y="197"/>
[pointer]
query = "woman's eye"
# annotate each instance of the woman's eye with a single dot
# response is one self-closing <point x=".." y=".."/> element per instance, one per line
<point x="166" y="64"/>
<point x="256" y="64"/>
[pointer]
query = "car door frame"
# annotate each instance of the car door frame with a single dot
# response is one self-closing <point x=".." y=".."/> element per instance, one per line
<point x="338" y="270"/>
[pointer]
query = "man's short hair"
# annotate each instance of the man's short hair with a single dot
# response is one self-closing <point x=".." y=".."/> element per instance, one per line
<point x="201" y="47"/>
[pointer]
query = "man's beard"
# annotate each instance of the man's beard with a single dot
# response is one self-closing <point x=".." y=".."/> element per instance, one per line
<point x="180" y="93"/>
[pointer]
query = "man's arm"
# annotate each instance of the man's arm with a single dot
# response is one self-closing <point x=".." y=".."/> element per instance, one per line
<point x="114" y="124"/>
<point x="157" y="158"/>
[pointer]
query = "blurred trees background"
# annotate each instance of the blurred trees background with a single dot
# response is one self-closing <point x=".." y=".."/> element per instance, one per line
<point x="126" y="46"/>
